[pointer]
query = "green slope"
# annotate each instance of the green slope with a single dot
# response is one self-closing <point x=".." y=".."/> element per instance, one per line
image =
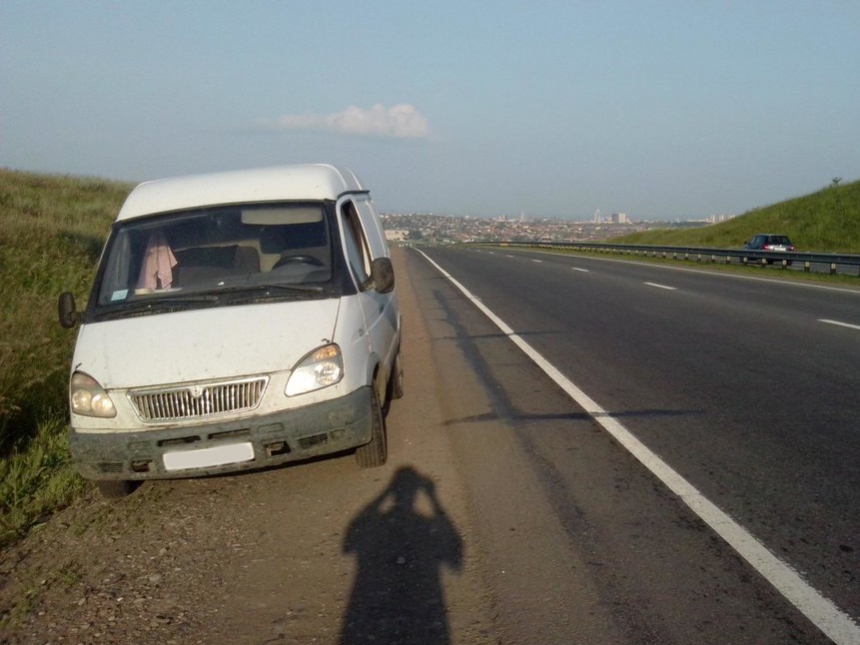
<point x="826" y="221"/>
<point x="51" y="232"/>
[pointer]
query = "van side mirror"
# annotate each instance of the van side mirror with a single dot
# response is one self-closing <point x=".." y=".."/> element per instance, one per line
<point x="381" y="275"/>
<point x="69" y="316"/>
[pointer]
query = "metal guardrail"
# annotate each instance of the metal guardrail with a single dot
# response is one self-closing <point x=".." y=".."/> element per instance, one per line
<point x="822" y="262"/>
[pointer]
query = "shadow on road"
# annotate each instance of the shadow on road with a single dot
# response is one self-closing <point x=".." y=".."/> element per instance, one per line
<point x="573" y="416"/>
<point x="401" y="540"/>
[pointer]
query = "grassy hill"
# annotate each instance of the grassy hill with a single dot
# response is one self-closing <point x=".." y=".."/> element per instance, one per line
<point x="51" y="233"/>
<point x="826" y="221"/>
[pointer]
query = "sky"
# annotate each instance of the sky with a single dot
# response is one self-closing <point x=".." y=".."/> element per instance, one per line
<point x="657" y="109"/>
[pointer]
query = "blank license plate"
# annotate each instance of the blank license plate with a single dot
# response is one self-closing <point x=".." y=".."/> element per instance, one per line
<point x="208" y="457"/>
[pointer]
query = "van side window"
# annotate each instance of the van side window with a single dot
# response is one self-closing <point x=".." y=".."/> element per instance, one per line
<point x="357" y="250"/>
<point x="372" y="227"/>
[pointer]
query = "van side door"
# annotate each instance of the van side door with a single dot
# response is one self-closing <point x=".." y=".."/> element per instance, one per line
<point x="364" y="242"/>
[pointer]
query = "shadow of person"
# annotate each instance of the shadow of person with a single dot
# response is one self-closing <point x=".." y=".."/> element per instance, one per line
<point x="401" y="540"/>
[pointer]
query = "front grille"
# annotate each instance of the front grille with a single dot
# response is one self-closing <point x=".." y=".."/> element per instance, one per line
<point x="198" y="401"/>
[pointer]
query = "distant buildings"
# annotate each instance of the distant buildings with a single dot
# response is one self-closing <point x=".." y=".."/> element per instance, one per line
<point x="396" y="235"/>
<point x="426" y="228"/>
<point x="716" y="219"/>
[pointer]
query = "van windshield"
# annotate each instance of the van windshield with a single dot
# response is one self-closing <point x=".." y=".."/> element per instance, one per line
<point x="217" y="250"/>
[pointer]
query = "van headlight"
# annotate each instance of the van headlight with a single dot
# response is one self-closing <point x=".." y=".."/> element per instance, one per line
<point x="89" y="398"/>
<point x="321" y="368"/>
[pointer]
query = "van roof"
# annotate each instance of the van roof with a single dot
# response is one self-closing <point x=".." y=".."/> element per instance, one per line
<point x="299" y="182"/>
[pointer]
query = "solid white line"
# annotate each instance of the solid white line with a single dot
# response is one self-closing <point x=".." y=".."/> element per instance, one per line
<point x="660" y="286"/>
<point x="840" y="324"/>
<point x="833" y="622"/>
<point x="581" y="270"/>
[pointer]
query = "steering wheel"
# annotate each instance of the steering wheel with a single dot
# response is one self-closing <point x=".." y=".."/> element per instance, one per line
<point x="298" y="259"/>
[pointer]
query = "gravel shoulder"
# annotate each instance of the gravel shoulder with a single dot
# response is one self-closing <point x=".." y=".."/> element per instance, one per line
<point x="319" y="552"/>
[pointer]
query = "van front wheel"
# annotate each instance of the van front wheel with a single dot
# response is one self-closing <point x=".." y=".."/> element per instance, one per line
<point x="375" y="453"/>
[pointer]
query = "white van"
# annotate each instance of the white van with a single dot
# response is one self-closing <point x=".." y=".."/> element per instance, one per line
<point x="237" y="320"/>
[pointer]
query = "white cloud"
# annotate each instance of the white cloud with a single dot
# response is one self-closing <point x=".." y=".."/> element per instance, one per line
<point x="401" y="121"/>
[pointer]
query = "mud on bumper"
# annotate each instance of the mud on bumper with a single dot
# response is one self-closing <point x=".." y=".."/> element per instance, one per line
<point x="290" y="435"/>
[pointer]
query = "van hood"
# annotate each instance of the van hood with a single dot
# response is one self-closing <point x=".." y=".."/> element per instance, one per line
<point x="203" y="344"/>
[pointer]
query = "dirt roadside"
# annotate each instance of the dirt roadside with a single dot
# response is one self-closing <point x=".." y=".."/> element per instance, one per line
<point x="314" y="553"/>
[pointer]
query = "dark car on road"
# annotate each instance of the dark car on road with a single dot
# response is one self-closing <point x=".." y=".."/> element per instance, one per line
<point x="769" y="242"/>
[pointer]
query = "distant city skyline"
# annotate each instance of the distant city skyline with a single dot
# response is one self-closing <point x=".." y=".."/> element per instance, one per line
<point x="613" y="218"/>
<point x="447" y="229"/>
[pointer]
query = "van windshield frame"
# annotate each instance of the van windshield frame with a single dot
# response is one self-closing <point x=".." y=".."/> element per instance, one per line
<point x="208" y="256"/>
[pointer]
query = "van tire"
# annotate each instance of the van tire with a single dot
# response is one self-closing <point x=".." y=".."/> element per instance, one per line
<point x="395" y="383"/>
<point x="114" y="488"/>
<point x="375" y="453"/>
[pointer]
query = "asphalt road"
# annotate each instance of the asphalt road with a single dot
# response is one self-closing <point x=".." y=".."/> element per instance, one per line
<point x="738" y="384"/>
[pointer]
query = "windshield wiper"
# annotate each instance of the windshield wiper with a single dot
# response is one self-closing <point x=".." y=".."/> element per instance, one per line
<point x="254" y="293"/>
<point x="158" y="305"/>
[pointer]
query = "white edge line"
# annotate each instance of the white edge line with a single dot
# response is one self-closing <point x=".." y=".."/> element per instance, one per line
<point x="832" y="621"/>
<point x="661" y="286"/>
<point x="839" y="324"/>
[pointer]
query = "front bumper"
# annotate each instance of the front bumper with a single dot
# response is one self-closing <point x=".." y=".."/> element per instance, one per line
<point x="289" y="435"/>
